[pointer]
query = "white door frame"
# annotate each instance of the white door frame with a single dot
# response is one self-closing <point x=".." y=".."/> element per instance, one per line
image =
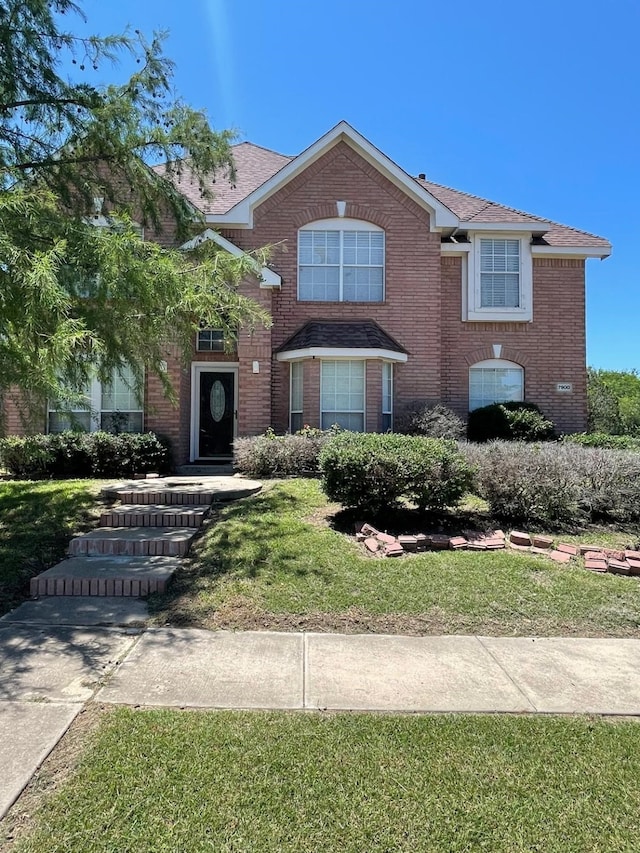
<point x="197" y="368"/>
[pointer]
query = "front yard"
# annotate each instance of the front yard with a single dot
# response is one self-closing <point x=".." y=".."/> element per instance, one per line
<point x="276" y="561"/>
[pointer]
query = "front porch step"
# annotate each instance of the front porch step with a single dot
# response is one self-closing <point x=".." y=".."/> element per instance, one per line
<point x="133" y="542"/>
<point x="214" y="470"/>
<point x="128" y="577"/>
<point x="183" y="491"/>
<point x="154" y="515"/>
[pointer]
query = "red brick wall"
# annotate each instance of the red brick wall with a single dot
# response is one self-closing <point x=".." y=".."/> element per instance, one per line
<point x="411" y="310"/>
<point x="551" y="348"/>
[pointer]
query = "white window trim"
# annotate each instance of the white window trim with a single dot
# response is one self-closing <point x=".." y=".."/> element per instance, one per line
<point x="496" y="364"/>
<point x="342" y="225"/>
<point x="364" y="393"/>
<point x="471" y="308"/>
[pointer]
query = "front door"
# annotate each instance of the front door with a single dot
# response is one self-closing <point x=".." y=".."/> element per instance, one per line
<point x="216" y="413"/>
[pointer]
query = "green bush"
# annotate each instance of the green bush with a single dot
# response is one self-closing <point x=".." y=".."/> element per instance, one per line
<point x="272" y="455"/>
<point x="433" y="421"/>
<point x="372" y="471"/>
<point x="74" y="454"/>
<point x="509" y="422"/>
<point x="556" y="484"/>
<point x="604" y="440"/>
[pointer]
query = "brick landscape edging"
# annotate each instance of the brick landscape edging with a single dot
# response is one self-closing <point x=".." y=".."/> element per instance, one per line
<point x="596" y="558"/>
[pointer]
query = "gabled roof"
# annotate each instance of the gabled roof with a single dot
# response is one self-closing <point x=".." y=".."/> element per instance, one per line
<point x="261" y="172"/>
<point x="335" y="337"/>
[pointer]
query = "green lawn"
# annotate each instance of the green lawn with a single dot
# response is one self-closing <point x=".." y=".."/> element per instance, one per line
<point x="173" y="781"/>
<point x="274" y="561"/>
<point x="37" y="520"/>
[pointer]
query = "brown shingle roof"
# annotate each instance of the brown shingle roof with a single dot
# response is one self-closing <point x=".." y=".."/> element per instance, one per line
<point x="255" y="165"/>
<point x="341" y="334"/>
<point x="472" y="208"/>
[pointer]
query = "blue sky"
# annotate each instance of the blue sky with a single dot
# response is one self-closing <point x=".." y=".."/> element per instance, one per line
<point x="536" y="106"/>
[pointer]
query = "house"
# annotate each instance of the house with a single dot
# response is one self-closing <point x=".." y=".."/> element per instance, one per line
<point x="384" y="289"/>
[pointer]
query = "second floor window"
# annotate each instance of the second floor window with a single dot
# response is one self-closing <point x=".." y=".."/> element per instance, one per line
<point x="341" y="261"/>
<point x="499" y="273"/>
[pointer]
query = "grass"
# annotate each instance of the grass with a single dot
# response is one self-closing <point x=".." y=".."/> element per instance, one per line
<point x="275" y="561"/>
<point x="37" y="520"/>
<point x="173" y="780"/>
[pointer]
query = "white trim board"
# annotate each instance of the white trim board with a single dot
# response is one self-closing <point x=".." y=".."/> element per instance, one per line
<point x="342" y="352"/>
<point x="267" y="277"/>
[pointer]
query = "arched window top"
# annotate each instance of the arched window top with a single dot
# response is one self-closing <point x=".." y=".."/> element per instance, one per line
<point x="496" y="362"/>
<point x="341" y="260"/>
<point x="495" y="380"/>
<point x="341" y="224"/>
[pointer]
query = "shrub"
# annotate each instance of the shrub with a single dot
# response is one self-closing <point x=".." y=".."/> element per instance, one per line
<point x="372" y="471"/>
<point x="556" y="484"/>
<point x="510" y="422"/>
<point x="73" y="454"/>
<point x="604" y="440"/>
<point x="434" y="421"/>
<point x="272" y="455"/>
<point x="533" y="483"/>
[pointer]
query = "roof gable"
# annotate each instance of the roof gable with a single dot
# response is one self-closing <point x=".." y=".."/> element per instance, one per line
<point x="241" y="214"/>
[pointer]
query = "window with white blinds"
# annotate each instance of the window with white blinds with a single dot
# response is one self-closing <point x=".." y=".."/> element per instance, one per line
<point x="340" y="264"/>
<point x="499" y="273"/>
<point x="495" y="381"/>
<point x="116" y="406"/>
<point x="342" y="394"/>
<point x="296" y="396"/>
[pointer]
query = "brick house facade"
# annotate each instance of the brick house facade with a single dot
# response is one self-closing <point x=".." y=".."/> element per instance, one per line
<point x="383" y="289"/>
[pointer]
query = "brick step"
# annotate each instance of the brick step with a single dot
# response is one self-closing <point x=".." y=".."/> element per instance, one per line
<point x="134" y="577"/>
<point x="153" y="515"/>
<point x="166" y="497"/>
<point x="133" y="542"/>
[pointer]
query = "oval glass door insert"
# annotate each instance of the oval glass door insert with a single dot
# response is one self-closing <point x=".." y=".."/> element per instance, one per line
<point x="217" y="401"/>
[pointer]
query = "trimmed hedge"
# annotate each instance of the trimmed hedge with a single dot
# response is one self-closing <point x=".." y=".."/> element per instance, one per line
<point x="509" y="422"/>
<point x="76" y="454"/>
<point x="556" y="484"/>
<point x="372" y="472"/>
<point x="433" y="421"/>
<point x="272" y="455"/>
<point x="604" y="440"/>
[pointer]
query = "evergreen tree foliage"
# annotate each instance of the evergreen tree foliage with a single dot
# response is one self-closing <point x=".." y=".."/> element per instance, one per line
<point x="76" y="298"/>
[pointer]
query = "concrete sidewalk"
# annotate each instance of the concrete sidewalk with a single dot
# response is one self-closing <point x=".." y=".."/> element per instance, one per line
<point x="48" y="673"/>
<point x="459" y="674"/>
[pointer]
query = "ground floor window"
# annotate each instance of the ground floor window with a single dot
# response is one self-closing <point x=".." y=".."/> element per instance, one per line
<point x="296" y="396"/>
<point x="495" y="381"/>
<point x="387" y="396"/>
<point x="116" y="406"/>
<point x="342" y="394"/>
